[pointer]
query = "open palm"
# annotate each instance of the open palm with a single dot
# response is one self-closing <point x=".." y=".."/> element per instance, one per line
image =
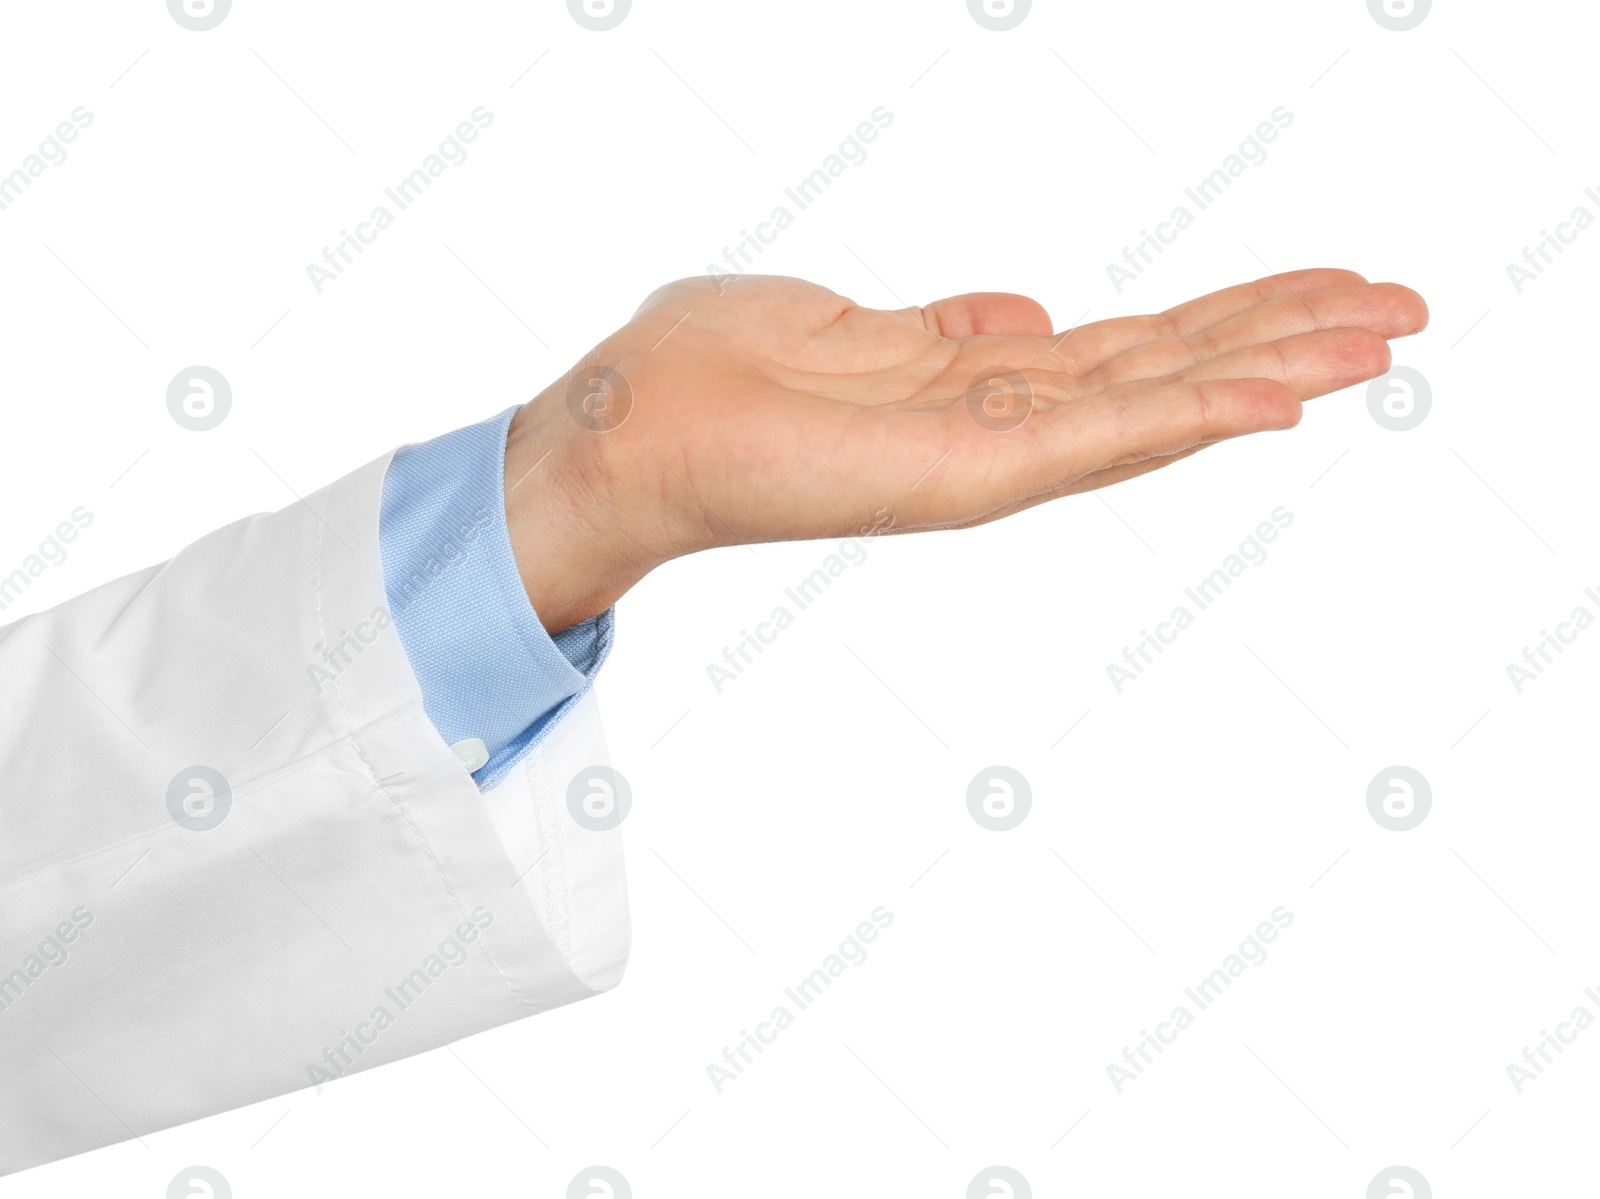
<point x="769" y="408"/>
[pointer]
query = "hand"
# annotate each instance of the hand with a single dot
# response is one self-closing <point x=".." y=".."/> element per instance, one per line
<point x="771" y="409"/>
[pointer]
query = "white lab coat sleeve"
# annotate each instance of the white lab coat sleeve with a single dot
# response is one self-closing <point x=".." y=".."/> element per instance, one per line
<point x="236" y="859"/>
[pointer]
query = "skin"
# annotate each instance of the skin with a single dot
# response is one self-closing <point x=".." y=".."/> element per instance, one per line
<point x="771" y="409"/>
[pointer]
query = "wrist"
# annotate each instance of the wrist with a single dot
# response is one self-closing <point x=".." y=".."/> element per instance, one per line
<point x="566" y="515"/>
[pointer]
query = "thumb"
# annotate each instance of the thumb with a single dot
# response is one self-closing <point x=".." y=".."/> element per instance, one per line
<point x="995" y="312"/>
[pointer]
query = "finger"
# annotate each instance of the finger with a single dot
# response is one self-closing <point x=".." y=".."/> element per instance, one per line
<point x="1308" y="364"/>
<point x="1090" y="482"/>
<point x="984" y="312"/>
<point x="1083" y="349"/>
<point x="1389" y="309"/>
<point x="1131" y="470"/>
<point x="1152" y="420"/>
<point x="1386" y="309"/>
<point x="980" y="466"/>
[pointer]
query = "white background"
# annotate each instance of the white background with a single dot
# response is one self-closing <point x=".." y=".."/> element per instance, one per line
<point x="831" y="778"/>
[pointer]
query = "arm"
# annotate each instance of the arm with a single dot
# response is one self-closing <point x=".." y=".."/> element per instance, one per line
<point x="236" y="856"/>
<point x="235" y="862"/>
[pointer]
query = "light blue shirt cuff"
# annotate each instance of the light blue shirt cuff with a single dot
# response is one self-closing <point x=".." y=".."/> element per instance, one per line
<point x="486" y="666"/>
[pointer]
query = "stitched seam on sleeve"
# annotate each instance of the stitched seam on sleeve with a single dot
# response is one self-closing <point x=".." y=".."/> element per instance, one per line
<point x="554" y="873"/>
